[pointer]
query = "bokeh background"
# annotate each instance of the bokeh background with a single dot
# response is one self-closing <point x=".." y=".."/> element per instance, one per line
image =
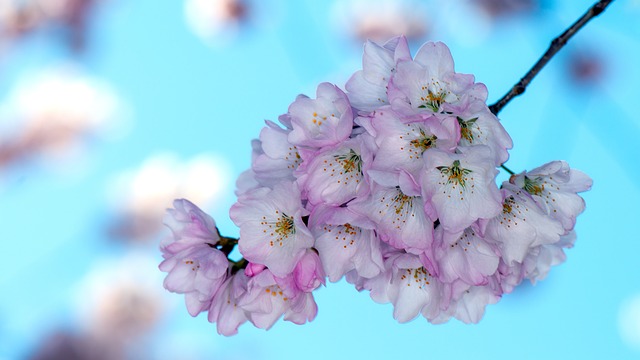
<point x="109" y="109"/>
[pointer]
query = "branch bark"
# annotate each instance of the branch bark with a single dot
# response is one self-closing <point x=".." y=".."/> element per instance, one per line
<point x="557" y="44"/>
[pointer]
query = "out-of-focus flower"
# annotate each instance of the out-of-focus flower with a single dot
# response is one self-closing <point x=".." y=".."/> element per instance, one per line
<point x="62" y="344"/>
<point x="119" y="302"/>
<point x="215" y="20"/>
<point x="505" y="8"/>
<point x="380" y="20"/>
<point x="18" y="18"/>
<point x="52" y="114"/>
<point x="140" y="196"/>
<point x="585" y="68"/>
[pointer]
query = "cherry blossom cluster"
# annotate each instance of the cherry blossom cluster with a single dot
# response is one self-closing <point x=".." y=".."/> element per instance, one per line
<point x="392" y="185"/>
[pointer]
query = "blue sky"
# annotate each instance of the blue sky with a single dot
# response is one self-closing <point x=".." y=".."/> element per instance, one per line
<point x="186" y="97"/>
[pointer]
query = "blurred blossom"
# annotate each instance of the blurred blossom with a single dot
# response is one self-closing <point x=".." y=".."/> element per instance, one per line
<point x="51" y="114"/>
<point x="506" y="8"/>
<point x="119" y="303"/>
<point x="216" y="19"/>
<point x="21" y="17"/>
<point x="64" y="345"/>
<point x="380" y="20"/>
<point x="140" y="197"/>
<point x="585" y="68"/>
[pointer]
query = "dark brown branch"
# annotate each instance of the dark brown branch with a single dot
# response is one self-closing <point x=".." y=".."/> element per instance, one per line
<point x="557" y="44"/>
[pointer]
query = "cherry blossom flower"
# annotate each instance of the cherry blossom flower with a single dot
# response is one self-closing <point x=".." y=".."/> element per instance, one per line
<point x="337" y="174"/>
<point x="396" y="207"/>
<point x="429" y="81"/>
<point x="367" y="88"/>
<point x="345" y="241"/>
<point x="467" y="302"/>
<point x="195" y="266"/>
<point x="271" y="227"/>
<point x="401" y="144"/>
<point x="521" y="225"/>
<point x="225" y="311"/>
<point x="460" y="188"/>
<point x="410" y="287"/>
<point x="265" y="302"/>
<point x="478" y="126"/>
<point x="554" y="186"/>
<point x="276" y="159"/>
<point x="466" y="256"/>
<point x="324" y="121"/>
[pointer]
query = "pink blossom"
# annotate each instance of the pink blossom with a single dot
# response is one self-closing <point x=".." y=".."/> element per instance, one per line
<point x="272" y="231"/>
<point x="224" y="310"/>
<point x="265" y="302"/>
<point x="189" y="225"/>
<point x="478" y="126"/>
<point x="521" y="225"/>
<point x="197" y="272"/>
<point x="402" y="143"/>
<point x="466" y="256"/>
<point x="324" y="121"/>
<point x="195" y="267"/>
<point x="397" y="210"/>
<point x="336" y="175"/>
<point x="308" y="274"/>
<point x="540" y="259"/>
<point x="345" y="241"/>
<point x="408" y="286"/>
<point x="253" y="269"/>
<point x="467" y="302"/>
<point x="278" y="159"/>
<point x="554" y="186"/>
<point x="460" y="188"/>
<point x="429" y="81"/>
<point x="367" y="88"/>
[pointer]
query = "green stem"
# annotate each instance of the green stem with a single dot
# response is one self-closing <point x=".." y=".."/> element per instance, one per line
<point x="507" y="169"/>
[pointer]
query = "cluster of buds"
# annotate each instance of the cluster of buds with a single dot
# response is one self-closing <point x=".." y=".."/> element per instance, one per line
<point x="392" y="185"/>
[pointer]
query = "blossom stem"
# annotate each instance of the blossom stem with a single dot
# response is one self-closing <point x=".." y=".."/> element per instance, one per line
<point x="238" y="265"/>
<point x="557" y="44"/>
<point x="507" y="169"/>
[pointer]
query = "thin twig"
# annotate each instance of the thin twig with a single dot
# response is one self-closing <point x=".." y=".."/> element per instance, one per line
<point x="507" y="169"/>
<point x="557" y="44"/>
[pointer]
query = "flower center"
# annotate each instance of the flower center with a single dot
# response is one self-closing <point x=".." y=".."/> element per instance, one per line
<point x="194" y="266"/>
<point x="466" y="128"/>
<point x="417" y="277"/>
<point x="279" y="230"/>
<point x="533" y="186"/>
<point x="350" y="161"/>
<point x="318" y="119"/>
<point x="285" y="226"/>
<point x="276" y="291"/>
<point x="455" y="173"/>
<point x="432" y="100"/>
<point x="399" y="202"/>
<point x="424" y="142"/>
